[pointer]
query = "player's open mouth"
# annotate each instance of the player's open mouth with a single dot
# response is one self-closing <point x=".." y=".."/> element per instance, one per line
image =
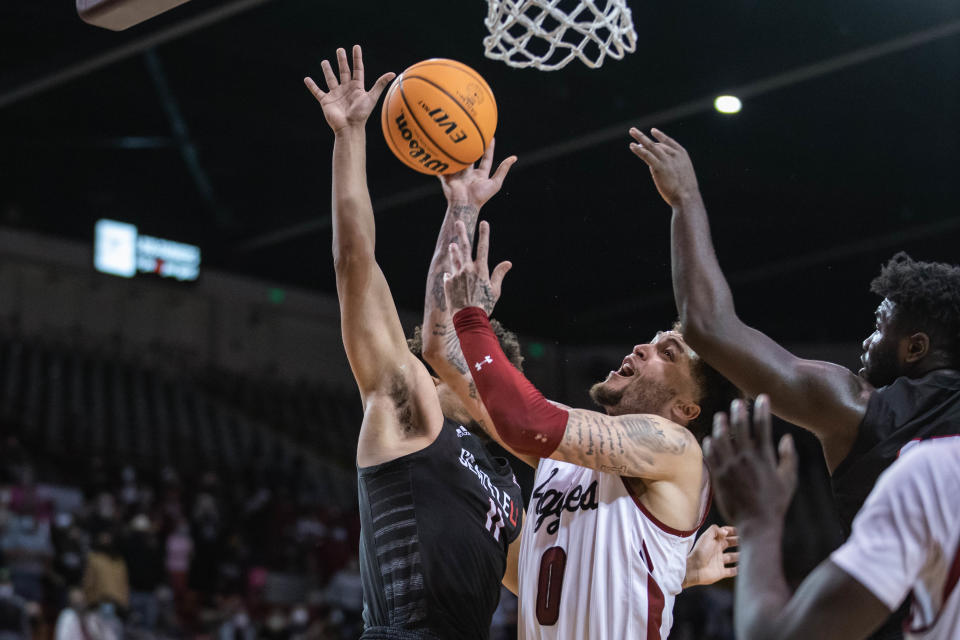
<point x="625" y="370"/>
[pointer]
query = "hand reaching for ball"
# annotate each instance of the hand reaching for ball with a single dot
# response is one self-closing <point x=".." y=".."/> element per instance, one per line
<point x="346" y="103"/>
<point x="474" y="185"/>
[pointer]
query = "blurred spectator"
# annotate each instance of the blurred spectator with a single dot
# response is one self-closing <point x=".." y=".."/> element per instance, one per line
<point x="237" y="626"/>
<point x="233" y="566"/>
<point x="14" y="620"/>
<point x="345" y="595"/>
<point x="129" y="492"/>
<point x="179" y="552"/>
<point x="27" y="550"/>
<point x="275" y="626"/>
<point x="144" y="558"/>
<point x="71" y="624"/>
<point x="206" y="530"/>
<point x="70" y="548"/>
<point x="105" y="582"/>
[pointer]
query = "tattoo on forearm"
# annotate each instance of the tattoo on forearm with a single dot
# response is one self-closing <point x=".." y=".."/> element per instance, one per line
<point x="467" y="213"/>
<point x="620" y="444"/>
<point x="473" y="390"/>
<point x="453" y="351"/>
<point x="436" y="292"/>
<point x="622" y="469"/>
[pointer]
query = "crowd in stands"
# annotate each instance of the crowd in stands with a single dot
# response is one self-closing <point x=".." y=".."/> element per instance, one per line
<point x="116" y="554"/>
<point x="145" y="503"/>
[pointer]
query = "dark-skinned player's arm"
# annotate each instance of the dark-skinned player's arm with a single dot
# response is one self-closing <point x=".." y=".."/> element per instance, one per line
<point x="753" y="491"/>
<point x="466" y="192"/>
<point x="641" y="446"/>
<point x="401" y="408"/>
<point x="824" y="398"/>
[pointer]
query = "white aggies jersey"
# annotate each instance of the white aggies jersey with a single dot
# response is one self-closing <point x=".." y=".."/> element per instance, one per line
<point x="906" y="539"/>
<point x="594" y="563"/>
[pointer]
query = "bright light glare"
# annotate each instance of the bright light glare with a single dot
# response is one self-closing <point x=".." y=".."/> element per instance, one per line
<point x="727" y="104"/>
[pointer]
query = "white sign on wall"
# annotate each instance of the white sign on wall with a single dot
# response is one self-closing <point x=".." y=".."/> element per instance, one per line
<point x="121" y="251"/>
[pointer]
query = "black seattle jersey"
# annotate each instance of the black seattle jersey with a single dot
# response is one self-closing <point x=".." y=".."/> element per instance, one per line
<point x="435" y="527"/>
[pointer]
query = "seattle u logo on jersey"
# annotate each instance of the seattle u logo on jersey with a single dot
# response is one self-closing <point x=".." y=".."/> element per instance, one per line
<point x="552" y="502"/>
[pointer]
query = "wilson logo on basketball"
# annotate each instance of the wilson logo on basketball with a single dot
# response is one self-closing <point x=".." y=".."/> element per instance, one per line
<point x="417" y="152"/>
<point x="552" y="503"/>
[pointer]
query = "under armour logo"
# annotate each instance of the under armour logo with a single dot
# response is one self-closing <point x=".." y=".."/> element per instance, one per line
<point x="486" y="360"/>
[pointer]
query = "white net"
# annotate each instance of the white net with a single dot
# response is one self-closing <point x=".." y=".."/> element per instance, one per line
<point x="548" y="34"/>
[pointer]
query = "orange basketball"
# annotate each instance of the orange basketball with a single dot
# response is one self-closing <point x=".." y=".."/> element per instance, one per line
<point x="439" y="116"/>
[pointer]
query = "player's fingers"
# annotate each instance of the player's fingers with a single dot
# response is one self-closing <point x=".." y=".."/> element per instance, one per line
<point x="456" y="259"/>
<point x="317" y="92"/>
<point x="358" y="64"/>
<point x="381" y="84"/>
<point x="720" y="449"/>
<point x="762" y="426"/>
<point x="787" y="467"/>
<point x="647" y="143"/>
<point x="665" y="139"/>
<point x="707" y="448"/>
<point x="466" y="249"/>
<point x="740" y="423"/>
<point x="499" y="273"/>
<point x="733" y="541"/>
<point x="645" y="154"/>
<point x="329" y="76"/>
<point x="483" y="244"/>
<point x="486" y="160"/>
<point x="728" y="530"/>
<point x="501" y="173"/>
<point x="447" y="287"/>
<point x="730" y="572"/>
<point x="344" y="65"/>
<point x="731" y="558"/>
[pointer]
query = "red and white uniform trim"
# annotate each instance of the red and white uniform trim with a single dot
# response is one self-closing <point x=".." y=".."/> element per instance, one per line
<point x="906" y="539"/>
<point x="594" y="563"/>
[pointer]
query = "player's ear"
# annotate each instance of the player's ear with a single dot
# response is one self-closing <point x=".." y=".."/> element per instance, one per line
<point x="915" y="347"/>
<point x="684" y="412"/>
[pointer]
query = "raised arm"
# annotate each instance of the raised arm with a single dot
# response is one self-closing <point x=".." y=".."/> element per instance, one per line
<point x="642" y="446"/>
<point x="466" y="192"/>
<point x="398" y="396"/>
<point x="753" y="490"/>
<point x="825" y="398"/>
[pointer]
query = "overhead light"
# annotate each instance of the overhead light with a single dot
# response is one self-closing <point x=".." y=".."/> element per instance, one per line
<point x="727" y="104"/>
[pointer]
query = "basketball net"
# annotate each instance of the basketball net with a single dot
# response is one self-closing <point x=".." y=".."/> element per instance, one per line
<point x="548" y="34"/>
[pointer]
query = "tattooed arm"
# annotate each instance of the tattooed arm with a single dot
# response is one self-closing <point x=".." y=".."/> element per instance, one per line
<point x="466" y="192"/>
<point x="637" y="446"/>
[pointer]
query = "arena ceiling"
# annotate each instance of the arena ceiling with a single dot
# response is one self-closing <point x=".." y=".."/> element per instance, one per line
<point x="196" y="127"/>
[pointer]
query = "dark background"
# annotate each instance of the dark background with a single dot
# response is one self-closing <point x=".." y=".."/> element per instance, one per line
<point x="211" y="138"/>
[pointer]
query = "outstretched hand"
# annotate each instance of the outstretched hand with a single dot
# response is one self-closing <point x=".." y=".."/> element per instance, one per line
<point x="669" y="163"/>
<point x="469" y="283"/>
<point x="751" y="486"/>
<point x="346" y="103"/>
<point x="474" y="185"/>
<point x="709" y="560"/>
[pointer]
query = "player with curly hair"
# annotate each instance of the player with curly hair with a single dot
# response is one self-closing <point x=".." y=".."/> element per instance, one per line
<point x="907" y="390"/>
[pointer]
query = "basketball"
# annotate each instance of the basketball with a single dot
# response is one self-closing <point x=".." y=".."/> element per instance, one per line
<point x="439" y="116"/>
